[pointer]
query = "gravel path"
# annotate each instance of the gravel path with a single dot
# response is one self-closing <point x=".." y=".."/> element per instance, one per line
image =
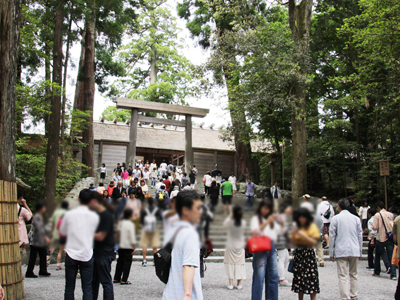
<point x="146" y="285"/>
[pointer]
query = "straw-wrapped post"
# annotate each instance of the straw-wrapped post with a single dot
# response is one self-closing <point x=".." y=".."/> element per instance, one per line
<point x="10" y="257"/>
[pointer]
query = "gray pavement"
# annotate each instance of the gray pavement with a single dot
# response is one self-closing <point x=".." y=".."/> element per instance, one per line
<point x="146" y="285"/>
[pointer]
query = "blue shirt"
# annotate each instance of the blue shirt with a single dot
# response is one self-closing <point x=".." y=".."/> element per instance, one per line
<point x="185" y="252"/>
<point x="345" y="235"/>
<point x="250" y="187"/>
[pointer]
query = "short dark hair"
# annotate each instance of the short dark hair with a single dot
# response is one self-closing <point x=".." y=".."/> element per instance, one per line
<point x="302" y="212"/>
<point x="380" y="204"/>
<point x="20" y="194"/>
<point x="150" y="201"/>
<point x="372" y="211"/>
<point x="39" y="206"/>
<point x="101" y="184"/>
<point x="188" y="184"/>
<point x="344" y="204"/>
<point x="393" y="209"/>
<point x="128" y="213"/>
<point x="202" y="197"/>
<point x="85" y="196"/>
<point x="185" y="199"/>
<point x="104" y="165"/>
<point x="97" y="196"/>
<point x="65" y="204"/>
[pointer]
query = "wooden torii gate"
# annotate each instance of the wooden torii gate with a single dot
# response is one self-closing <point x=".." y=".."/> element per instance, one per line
<point x="172" y="109"/>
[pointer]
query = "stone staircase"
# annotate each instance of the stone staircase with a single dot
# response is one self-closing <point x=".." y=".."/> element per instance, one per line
<point x="217" y="232"/>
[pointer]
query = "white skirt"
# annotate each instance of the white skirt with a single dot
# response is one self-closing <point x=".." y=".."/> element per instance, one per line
<point x="237" y="272"/>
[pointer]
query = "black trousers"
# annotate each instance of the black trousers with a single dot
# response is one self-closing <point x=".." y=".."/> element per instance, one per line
<point x="124" y="264"/>
<point x="32" y="259"/>
<point x="102" y="274"/>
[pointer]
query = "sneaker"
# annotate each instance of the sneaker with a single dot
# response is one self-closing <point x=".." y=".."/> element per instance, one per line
<point x="58" y="268"/>
<point x="230" y="287"/>
<point x="31" y="275"/>
<point x="284" y="283"/>
<point x="144" y="263"/>
<point x="394" y="278"/>
<point x="239" y="287"/>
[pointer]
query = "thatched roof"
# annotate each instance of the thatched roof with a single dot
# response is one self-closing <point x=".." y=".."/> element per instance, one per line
<point x="169" y="138"/>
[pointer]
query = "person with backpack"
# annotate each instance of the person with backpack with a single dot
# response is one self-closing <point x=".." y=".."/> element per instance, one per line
<point x="127" y="245"/>
<point x="150" y="236"/>
<point x="167" y="183"/>
<point x="325" y="210"/>
<point x="38" y="243"/>
<point x="162" y="198"/>
<point x="184" y="180"/>
<point x="184" y="280"/>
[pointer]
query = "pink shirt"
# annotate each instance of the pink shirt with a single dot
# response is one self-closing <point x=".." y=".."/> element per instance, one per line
<point x="125" y="175"/>
<point x="135" y="205"/>
<point x="23" y="235"/>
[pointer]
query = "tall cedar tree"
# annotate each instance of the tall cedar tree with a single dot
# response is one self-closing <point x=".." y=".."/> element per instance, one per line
<point x="53" y="142"/>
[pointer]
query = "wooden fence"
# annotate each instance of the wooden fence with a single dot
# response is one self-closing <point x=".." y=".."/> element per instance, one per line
<point x="10" y="257"/>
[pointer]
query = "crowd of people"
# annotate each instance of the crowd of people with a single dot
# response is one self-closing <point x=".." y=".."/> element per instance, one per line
<point x="105" y="226"/>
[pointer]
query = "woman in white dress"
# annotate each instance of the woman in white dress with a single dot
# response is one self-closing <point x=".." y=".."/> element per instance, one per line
<point x="232" y="179"/>
<point x="234" y="260"/>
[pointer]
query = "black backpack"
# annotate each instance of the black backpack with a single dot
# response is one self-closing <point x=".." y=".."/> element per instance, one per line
<point x="162" y="259"/>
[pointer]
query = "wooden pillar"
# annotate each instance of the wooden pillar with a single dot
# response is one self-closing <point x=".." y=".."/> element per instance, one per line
<point x="215" y="158"/>
<point x="100" y="158"/>
<point x="188" y="144"/>
<point x="131" y="149"/>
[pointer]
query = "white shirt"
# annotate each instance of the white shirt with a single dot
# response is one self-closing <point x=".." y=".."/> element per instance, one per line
<point x="153" y="166"/>
<point x="308" y="205"/>
<point x="79" y="225"/>
<point x="363" y="212"/>
<point x="158" y="185"/>
<point x="163" y="166"/>
<point x="208" y="180"/>
<point x="169" y="222"/>
<point x="272" y="233"/>
<point x="372" y="233"/>
<point x="146" y="175"/>
<point x="145" y="188"/>
<point x="127" y="237"/>
<point x="186" y="252"/>
<point x="136" y="173"/>
<point x="232" y="179"/>
<point x="321" y="210"/>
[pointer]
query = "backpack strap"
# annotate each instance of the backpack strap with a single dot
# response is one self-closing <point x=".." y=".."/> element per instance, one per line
<point x="383" y="221"/>
<point x="172" y="240"/>
<point x="19" y="211"/>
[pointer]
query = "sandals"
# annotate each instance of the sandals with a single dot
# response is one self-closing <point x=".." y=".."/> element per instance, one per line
<point x="126" y="283"/>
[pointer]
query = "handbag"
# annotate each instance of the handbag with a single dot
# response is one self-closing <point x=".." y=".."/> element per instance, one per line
<point x="389" y="235"/>
<point x="257" y="244"/>
<point x="247" y="254"/>
<point x="291" y="266"/>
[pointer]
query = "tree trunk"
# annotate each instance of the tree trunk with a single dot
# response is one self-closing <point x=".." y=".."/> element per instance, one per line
<point x="64" y="99"/>
<point x="89" y="89"/>
<point x="300" y="24"/>
<point x="79" y="88"/>
<point x="10" y="263"/>
<point x="47" y="70"/>
<point x="53" y="142"/>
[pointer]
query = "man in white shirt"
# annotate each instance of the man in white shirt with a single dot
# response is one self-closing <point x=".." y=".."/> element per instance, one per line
<point x="163" y="167"/>
<point x="184" y="277"/>
<point x="79" y="225"/>
<point x="170" y="216"/>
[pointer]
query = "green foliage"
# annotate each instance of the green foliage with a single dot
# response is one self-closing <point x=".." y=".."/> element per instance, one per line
<point x="155" y="48"/>
<point x="30" y="168"/>
<point x="111" y="112"/>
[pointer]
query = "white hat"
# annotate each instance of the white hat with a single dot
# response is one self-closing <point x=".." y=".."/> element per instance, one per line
<point x="307" y="196"/>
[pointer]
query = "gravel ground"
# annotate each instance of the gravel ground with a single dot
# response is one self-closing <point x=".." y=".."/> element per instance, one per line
<point x="146" y="285"/>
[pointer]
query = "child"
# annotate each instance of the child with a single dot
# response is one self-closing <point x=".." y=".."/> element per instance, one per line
<point x="153" y="177"/>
